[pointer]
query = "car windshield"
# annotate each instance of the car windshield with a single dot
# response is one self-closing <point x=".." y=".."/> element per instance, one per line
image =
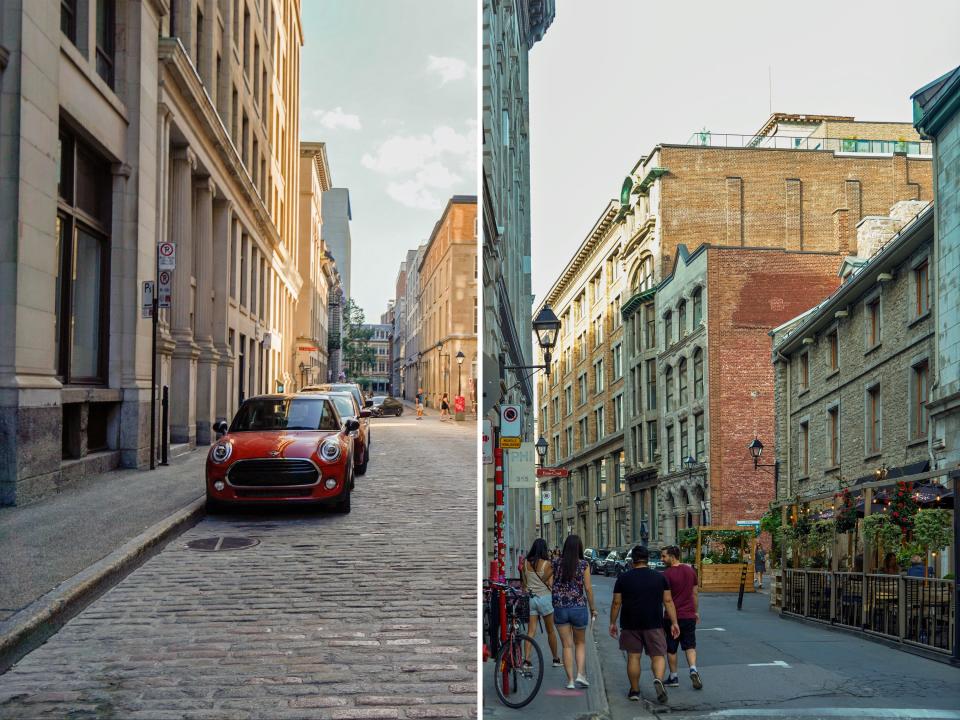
<point x="344" y="405"/>
<point x="299" y="413"/>
<point x="378" y="399"/>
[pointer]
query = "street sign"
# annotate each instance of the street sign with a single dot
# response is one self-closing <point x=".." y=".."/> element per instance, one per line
<point x="543" y="472"/>
<point x="511" y="421"/>
<point x="164" y="288"/>
<point x="487" y="443"/>
<point x="521" y="467"/>
<point x="166" y="256"/>
<point x="546" y="500"/>
<point x="510" y="443"/>
<point x="747" y="523"/>
<point x="146" y="299"/>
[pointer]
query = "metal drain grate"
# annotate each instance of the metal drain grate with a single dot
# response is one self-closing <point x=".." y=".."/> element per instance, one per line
<point x="222" y="544"/>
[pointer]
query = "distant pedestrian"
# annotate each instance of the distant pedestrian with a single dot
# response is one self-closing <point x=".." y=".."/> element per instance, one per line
<point x="572" y="593"/>
<point x="420" y="404"/>
<point x="444" y="408"/>
<point x="644" y="595"/>
<point x="683" y="588"/>
<point x="759" y="566"/>
<point x="890" y="564"/>
<point x="916" y="568"/>
<point x="537" y="578"/>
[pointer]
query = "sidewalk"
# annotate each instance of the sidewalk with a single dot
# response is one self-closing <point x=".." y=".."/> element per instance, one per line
<point x="554" y="701"/>
<point x="61" y="552"/>
<point x="433" y="414"/>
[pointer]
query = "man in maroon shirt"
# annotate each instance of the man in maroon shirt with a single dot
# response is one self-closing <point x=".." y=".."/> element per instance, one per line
<point x="683" y="587"/>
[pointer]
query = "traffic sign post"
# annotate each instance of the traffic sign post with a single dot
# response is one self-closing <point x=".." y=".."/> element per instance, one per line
<point x="166" y="256"/>
<point x="165" y="288"/>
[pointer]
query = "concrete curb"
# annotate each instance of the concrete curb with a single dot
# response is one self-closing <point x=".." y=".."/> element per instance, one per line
<point x="597" y="692"/>
<point x="32" y="626"/>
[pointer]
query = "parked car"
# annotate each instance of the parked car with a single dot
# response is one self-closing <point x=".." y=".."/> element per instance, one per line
<point x="347" y="407"/>
<point x="386" y="405"/>
<point x="617" y="562"/>
<point x="352" y="388"/>
<point x="283" y="448"/>
<point x="595" y="557"/>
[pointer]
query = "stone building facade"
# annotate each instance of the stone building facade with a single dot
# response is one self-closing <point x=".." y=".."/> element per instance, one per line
<point x="510" y="30"/>
<point x="581" y="404"/>
<point x="738" y="192"/>
<point x="374" y="376"/>
<point x="937" y="116"/>
<point x="853" y="374"/>
<point x="398" y="349"/>
<point x="124" y="124"/>
<point x="310" y="352"/>
<point x="448" y="303"/>
<point x="412" y="346"/>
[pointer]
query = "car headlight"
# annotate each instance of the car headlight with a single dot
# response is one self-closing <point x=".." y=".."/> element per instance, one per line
<point x="330" y="450"/>
<point x="221" y="452"/>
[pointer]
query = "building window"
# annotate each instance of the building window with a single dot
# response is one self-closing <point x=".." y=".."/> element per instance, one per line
<point x="602" y="537"/>
<point x="651" y="440"/>
<point x="682" y="319"/>
<point x="618" y="413"/>
<point x="667" y="329"/>
<point x="568" y="399"/>
<point x="669" y="458"/>
<point x="873" y="420"/>
<point x="582" y="347"/>
<point x="643" y="276"/>
<point x="833" y="435"/>
<point x="568" y="438"/>
<point x="582" y="387"/>
<point x="620" y="515"/>
<point x="105" y="39"/>
<point x="873" y="322"/>
<point x="68" y="19"/>
<point x="682" y="380"/>
<point x="598" y="375"/>
<point x="833" y="350"/>
<point x="697" y="374"/>
<point x="597" y="331"/>
<point x="615" y="318"/>
<point x="684" y="441"/>
<point x="697" y="308"/>
<point x="804" y="371"/>
<point x="921" y="282"/>
<point x="584" y="482"/>
<point x="804" y="449"/>
<point x="651" y="384"/>
<point x="650" y="327"/>
<point x="584" y="437"/>
<point x="599" y="419"/>
<point x="699" y="445"/>
<point x="920" y="392"/>
<point x="617" y="353"/>
<point x="82" y="289"/>
<point x="602" y="477"/>
<point x="668" y="383"/>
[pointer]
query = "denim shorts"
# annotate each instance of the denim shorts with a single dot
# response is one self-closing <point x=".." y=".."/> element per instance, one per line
<point x="541" y="605"/>
<point x="579" y="616"/>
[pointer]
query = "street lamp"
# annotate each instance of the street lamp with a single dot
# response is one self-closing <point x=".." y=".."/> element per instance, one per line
<point x="756" y="450"/>
<point x="596" y="504"/>
<point x="460" y="359"/>
<point x="541" y="449"/>
<point x="547" y="327"/>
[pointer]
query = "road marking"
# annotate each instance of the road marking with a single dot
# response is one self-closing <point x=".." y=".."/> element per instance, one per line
<point x="717" y="629"/>
<point x="893" y="713"/>
<point x="775" y="663"/>
<point x="564" y="693"/>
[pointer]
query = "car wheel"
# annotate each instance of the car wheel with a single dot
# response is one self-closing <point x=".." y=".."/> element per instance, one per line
<point x="362" y="469"/>
<point x="213" y="506"/>
<point x="399" y="412"/>
<point x="343" y="507"/>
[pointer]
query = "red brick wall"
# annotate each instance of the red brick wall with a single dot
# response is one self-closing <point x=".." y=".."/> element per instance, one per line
<point x="750" y="292"/>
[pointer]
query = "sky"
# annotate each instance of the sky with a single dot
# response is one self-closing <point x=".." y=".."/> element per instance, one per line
<point x="612" y="78"/>
<point x="391" y="87"/>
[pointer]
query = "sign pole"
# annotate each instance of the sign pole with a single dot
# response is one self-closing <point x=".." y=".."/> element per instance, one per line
<point x="498" y="546"/>
<point x="153" y="385"/>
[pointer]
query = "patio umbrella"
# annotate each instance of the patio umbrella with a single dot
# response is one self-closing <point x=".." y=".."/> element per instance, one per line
<point x="825" y="514"/>
<point x="933" y="496"/>
<point x="876" y="506"/>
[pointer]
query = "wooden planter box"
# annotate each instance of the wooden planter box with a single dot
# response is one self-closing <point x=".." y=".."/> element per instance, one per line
<point x="724" y="578"/>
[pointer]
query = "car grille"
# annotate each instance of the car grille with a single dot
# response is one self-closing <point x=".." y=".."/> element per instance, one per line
<point x="273" y="472"/>
<point x="268" y="493"/>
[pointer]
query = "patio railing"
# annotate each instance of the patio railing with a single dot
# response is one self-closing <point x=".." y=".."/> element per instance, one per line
<point x="913" y="610"/>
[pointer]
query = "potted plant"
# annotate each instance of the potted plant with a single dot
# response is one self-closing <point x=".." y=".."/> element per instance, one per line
<point x="882" y="532"/>
<point x="932" y="529"/>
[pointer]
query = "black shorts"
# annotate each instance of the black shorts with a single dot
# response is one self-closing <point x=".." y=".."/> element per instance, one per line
<point x="688" y="635"/>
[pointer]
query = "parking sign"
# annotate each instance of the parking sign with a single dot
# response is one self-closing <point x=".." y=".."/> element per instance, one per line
<point x="164" y="288"/>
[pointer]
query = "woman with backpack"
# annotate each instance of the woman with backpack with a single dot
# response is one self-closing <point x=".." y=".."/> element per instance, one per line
<point x="537" y="578"/>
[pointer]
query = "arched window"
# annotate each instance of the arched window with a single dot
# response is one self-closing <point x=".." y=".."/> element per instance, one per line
<point x="697" y="308"/>
<point x="668" y="381"/>
<point x="682" y="319"/>
<point x="698" y="374"/>
<point x="682" y="371"/>
<point x="643" y="276"/>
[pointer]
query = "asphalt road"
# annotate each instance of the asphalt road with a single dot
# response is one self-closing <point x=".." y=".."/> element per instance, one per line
<point x="367" y="615"/>
<point x="755" y="664"/>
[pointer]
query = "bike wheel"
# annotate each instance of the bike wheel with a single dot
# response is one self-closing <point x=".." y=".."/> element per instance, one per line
<point x="515" y="684"/>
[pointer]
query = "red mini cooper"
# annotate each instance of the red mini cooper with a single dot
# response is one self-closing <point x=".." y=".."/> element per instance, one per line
<point x="283" y="448"/>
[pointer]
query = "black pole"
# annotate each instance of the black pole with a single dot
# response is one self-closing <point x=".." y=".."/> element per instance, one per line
<point x="164" y="412"/>
<point x="459" y="386"/>
<point x="743" y="573"/>
<point x="153" y="383"/>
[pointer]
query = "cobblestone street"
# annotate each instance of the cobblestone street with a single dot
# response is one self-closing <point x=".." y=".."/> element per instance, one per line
<point x="367" y="615"/>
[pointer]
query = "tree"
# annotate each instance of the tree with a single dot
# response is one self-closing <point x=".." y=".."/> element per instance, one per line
<point x="355" y="340"/>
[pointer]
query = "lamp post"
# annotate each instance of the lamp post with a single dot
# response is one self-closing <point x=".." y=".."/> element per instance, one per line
<point x="547" y="327"/>
<point x="460" y="359"/>
<point x="756" y="450"/>
<point x="459" y="405"/>
<point x="596" y="504"/>
<point x="541" y="447"/>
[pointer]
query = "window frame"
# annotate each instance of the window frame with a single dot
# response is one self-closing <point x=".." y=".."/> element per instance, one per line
<point x="833" y="435"/>
<point x="919" y="416"/>
<point x="873" y="420"/>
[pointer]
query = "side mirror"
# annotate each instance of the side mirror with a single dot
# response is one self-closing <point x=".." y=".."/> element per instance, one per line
<point x="220" y="427"/>
<point x="365" y="413"/>
<point x="351" y="426"/>
<point x="368" y="403"/>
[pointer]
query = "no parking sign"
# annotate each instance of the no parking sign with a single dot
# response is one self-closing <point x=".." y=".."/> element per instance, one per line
<point x="164" y="288"/>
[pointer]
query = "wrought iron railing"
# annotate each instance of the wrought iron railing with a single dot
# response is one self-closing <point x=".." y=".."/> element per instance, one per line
<point x="705" y="138"/>
<point x="912" y="610"/>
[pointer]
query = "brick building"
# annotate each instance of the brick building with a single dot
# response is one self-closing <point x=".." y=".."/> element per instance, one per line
<point x="448" y="303"/>
<point x="853" y="373"/>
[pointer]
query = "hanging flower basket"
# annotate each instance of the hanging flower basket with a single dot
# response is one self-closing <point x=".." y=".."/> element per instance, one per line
<point x="902" y="508"/>
<point x="846" y="517"/>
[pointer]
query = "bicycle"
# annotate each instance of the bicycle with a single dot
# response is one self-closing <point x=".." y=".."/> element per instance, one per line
<point x="517" y="679"/>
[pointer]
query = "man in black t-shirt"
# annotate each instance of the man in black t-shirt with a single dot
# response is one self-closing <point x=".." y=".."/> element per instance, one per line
<point x="644" y="595"/>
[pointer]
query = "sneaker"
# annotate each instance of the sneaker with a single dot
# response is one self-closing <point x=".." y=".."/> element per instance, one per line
<point x="661" y="692"/>
<point x="582" y="681"/>
<point x="672" y="681"/>
<point x="634" y="695"/>
<point x="695" y="679"/>
<point x="557" y="663"/>
<point x="571" y="685"/>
